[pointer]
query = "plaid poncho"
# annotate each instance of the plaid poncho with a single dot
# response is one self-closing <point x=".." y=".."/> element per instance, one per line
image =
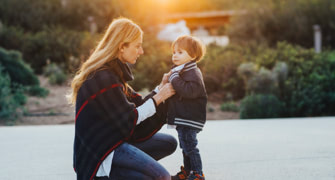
<point x="106" y="118"/>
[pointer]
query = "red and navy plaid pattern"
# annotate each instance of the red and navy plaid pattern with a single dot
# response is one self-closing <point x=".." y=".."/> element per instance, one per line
<point x="105" y="118"/>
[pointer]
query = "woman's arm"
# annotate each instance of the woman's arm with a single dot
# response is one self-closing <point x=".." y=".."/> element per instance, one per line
<point x="164" y="93"/>
<point x="139" y="100"/>
<point x="148" y="108"/>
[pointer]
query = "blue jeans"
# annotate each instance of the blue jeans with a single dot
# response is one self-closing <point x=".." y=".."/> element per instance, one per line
<point x="138" y="161"/>
<point x="188" y="143"/>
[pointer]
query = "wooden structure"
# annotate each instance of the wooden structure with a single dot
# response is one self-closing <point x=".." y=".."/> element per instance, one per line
<point x="211" y="20"/>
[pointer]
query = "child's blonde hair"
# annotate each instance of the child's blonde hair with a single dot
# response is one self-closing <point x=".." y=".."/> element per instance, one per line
<point x="192" y="45"/>
<point x="120" y="32"/>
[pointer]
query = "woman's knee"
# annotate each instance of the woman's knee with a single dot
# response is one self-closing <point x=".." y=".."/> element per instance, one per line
<point x="163" y="175"/>
<point x="172" y="143"/>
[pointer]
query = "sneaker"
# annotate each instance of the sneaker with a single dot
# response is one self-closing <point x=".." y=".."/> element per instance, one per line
<point x="196" y="176"/>
<point x="180" y="175"/>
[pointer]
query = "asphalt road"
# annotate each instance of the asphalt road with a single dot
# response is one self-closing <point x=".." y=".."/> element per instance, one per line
<point x="269" y="149"/>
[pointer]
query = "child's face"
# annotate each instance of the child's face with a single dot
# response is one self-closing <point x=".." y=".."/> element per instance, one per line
<point x="180" y="56"/>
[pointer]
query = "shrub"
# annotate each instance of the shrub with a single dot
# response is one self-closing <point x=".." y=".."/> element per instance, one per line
<point x="17" y="69"/>
<point x="37" y="91"/>
<point x="70" y="14"/>
<point x="19" y="96"/>
<point x="260" y="106"/>
<point x="263" y="81"/>
<point x="55" y="73"/>
<point x="309" y="86"/>
<point x="219" y="68"/>
<point x="10" y="100"/>
<point x="56" y="44"/>
<point x="229" y="106"/>
<point x="272" y="21"/>
<point x="302" y="78"/>
<point x="21" y="75"/>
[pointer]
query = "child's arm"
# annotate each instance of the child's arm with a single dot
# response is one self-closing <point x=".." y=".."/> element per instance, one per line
<point x="187" y="88"/>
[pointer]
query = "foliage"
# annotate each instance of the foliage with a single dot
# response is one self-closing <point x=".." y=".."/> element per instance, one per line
<point x="272" y="21"/>
<point x="54" y="43"/>
<point x="21" y="75"/>
<point x="303" y="80"/>
<point x="17" y="69"/>
<point x="260" y="106"/>
<point x="35" y="15"/>
<point x="308" y="90"/>
<point x="37" y="91"/>
<point x="219" y="68"/>
<point x="10" y="100"/>
<point x="229" y="106"/>
<point x="263" y="81"/>
<point x="55" y="73"/>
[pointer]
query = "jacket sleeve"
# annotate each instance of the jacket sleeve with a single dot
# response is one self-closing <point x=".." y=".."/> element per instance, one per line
<point x="138" y="99"/>
<point x="151" y="125"/>
<point x="186" y="88"/>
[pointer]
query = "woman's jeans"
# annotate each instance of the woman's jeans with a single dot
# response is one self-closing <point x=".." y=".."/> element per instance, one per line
<point x="188" y="143"/>
<point x="138" y="161"/>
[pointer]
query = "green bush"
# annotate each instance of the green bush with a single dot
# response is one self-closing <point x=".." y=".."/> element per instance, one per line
<point x="302" y="79"/>
<point x="37" y="91"/>
<point x="260" y="106"/>
<point x="271" y="21"/>
<point x="21" y="75"/>
<point x="10" y="100"/>
<point x="219" y="68"/>
<point x="34" y="15"/>
<point x="229" y="106"/>
<point x="55" y="43"/>
<point x="55" y="73"/>
<point x="17" y="69"/>
<point x="263" y="81"/>
<point x="308" y="89"/>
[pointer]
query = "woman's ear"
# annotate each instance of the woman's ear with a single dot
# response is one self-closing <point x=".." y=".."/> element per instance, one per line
<point x="121" y="47"/>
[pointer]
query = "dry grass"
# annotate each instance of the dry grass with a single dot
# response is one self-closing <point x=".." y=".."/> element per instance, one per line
<point x="54" y="109"/>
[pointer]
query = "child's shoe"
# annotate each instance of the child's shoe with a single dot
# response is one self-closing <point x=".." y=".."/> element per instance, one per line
<point x="180" y="175"/>
<point x="195" y="176"/>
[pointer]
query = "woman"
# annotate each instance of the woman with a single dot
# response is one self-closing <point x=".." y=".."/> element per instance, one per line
<point x="115" y="128"/>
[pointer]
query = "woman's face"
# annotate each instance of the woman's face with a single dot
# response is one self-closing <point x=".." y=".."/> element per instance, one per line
<point x="130" y="53"/>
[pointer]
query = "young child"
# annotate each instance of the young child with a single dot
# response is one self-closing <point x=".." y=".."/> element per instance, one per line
<point x="187" y="108"/>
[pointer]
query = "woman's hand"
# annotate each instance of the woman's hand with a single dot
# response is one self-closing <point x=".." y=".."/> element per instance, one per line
<point x="164" y="93"/>
<point x="165" y="80"/>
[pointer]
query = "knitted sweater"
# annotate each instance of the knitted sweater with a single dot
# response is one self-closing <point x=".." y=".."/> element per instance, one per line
<point x="106" y="118"/>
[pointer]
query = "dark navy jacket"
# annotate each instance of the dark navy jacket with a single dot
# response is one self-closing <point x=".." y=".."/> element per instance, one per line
<point x="188" y="106"/>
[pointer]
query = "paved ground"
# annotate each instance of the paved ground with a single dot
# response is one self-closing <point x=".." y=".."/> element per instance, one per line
<point x="277" y="149"/>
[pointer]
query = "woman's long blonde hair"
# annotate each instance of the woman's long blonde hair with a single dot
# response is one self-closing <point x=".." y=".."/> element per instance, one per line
<point x="120" y="32"/>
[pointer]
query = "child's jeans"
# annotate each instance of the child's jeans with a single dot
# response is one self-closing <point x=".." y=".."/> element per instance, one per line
<point x="188" y="143"/>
